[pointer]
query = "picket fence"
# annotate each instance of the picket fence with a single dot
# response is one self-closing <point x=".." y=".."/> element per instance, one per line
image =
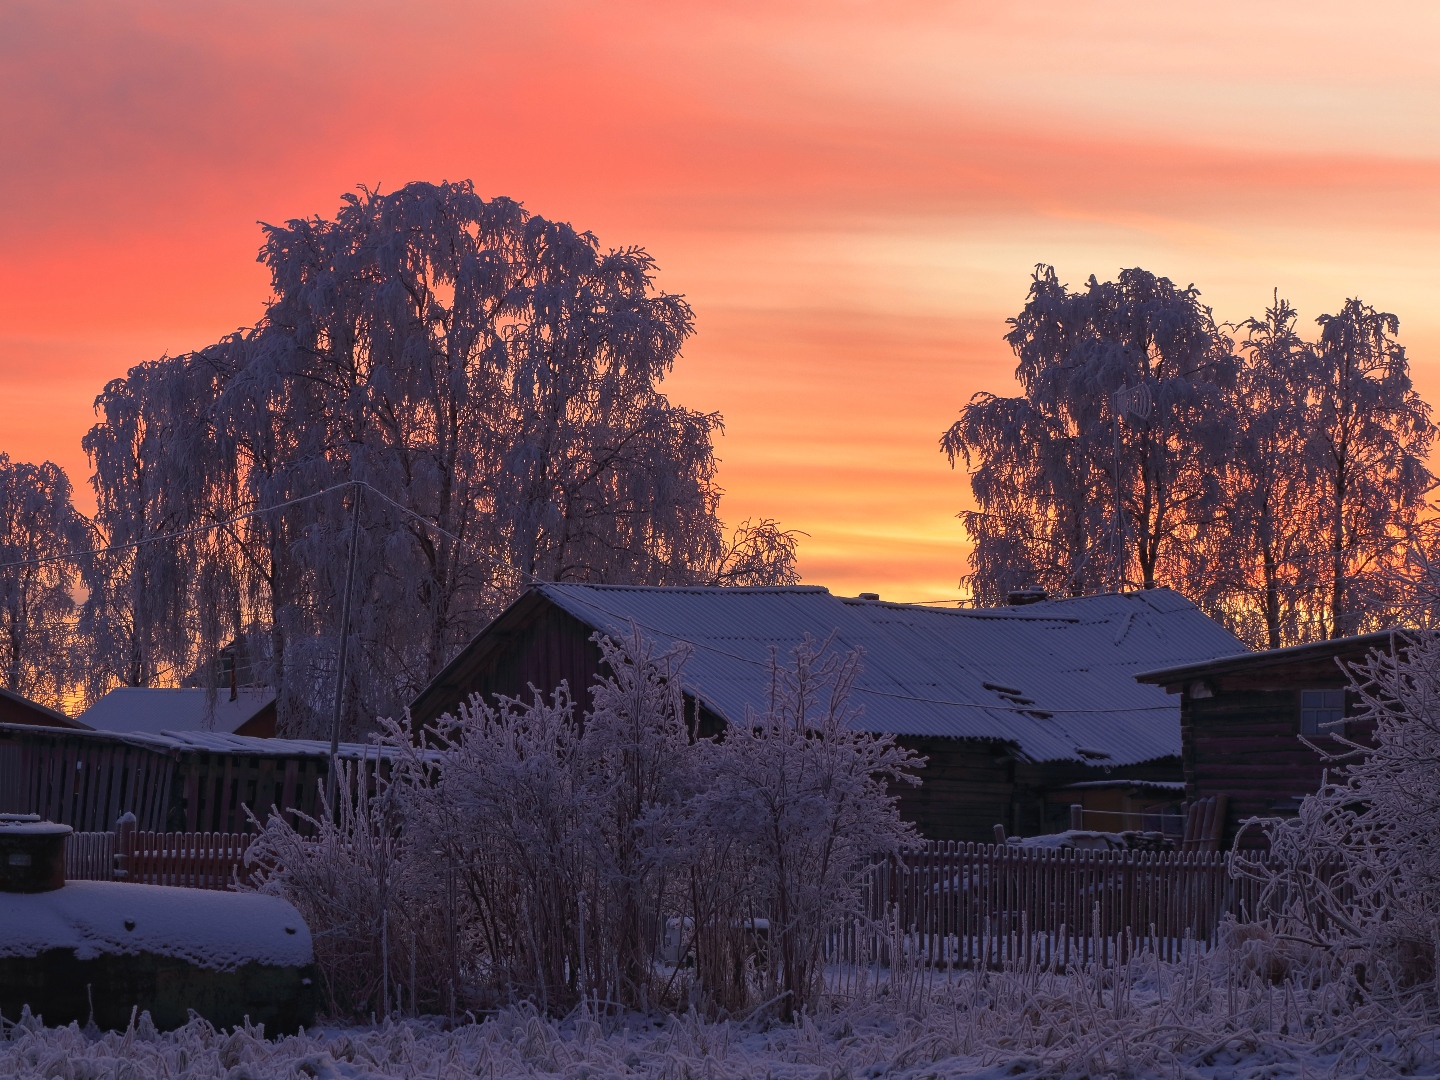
<point x="204" y="860"/>
<point x="943" y="906"/>
<point x="953" y="905"/>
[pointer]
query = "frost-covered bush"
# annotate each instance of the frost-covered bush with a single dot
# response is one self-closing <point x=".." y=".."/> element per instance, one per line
<point x="1357" y="873"/>
<point x="369" y="901"/>
<point x="561" y="829"/>
<point x="608" y="860"/>
<point x="804" y="797"/>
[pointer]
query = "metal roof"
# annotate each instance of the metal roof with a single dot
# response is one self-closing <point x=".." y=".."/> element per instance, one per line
<point x="150" y="710"/>
<point x="213" y="742"/>
<point x="1346" y="648"/>
<point x="1055" y="679"/>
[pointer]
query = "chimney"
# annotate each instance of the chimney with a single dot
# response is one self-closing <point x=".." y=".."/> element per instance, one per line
<point x="1031" y="595"/>
<point x="869" y="596"/>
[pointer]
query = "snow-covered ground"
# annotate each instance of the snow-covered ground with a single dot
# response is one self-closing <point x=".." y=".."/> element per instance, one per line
<point x="1155" y="1021"/>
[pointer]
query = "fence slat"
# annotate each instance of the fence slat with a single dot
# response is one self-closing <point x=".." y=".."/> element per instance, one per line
<point x="968" y="905"/>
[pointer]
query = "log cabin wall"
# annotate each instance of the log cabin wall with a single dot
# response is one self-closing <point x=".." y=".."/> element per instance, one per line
<point x="1240" y="724"/>
<point x="967" y="788"/>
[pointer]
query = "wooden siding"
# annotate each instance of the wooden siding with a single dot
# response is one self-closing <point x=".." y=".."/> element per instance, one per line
<point x="87" y="780"/>
<point x="15" y="709"/>
<point x="77" y="780"/>
<point x="1245" y="744"/>
<point x="967" y="787"/>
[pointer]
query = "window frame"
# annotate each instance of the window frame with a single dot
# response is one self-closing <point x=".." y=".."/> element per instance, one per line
<point x="1326" y="718"/>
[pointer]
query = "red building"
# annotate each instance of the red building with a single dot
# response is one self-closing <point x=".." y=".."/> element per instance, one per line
<point x="15" y="709"/>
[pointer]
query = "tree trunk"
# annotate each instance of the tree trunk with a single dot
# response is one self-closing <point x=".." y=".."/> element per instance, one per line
<point x="1272" y="597"/>
<point x="1337" y="555"/>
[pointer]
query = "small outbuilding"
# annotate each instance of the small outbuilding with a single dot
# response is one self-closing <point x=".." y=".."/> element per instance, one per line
<point x="1009" y="705"/>
<point x="18" y="709"/>
<point x="146" y="710"/>
<point x="1242" y="718"/>
<point x="198" y="781"/>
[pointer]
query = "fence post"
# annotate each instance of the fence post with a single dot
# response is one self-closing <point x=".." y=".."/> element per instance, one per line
<point x="124" y="845"/>
<point x="1077" y="816"/>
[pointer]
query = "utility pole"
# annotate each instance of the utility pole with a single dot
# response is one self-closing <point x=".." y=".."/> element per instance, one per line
<point x="333" y="779"/>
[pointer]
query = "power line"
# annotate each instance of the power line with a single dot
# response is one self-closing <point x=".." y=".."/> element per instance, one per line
<point x="177" y="534"/>
<point x="443" y="532"/>
<point x="196" y="530"/>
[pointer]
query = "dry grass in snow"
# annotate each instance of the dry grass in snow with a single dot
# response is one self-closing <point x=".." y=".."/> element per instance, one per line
<point x="1212" y="1017"/>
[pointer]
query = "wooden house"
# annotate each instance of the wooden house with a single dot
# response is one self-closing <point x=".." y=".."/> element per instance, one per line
<point x="1242" y="718"/>
<point x="1009" y="705"/>
<point x="16" y="709"/>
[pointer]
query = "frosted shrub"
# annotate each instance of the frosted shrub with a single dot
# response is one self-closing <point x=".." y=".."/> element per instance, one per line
<point x="803" y="796"/>
<point x="1359" y="869"/>
<point x="363" y="895"/>
<point x="610" y="860"/>
<point x="505" y="803"/>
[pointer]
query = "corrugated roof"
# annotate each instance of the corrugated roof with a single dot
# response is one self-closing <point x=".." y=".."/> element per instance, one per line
<point x="150" y="710"/>
<point x="210" y="742"/>
<point x="979" y="673"/>
<point x="217" y="742"/>
<point x="1346" y="648"/>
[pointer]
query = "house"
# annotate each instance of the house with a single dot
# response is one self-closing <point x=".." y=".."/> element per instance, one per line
<point x="15" y="709"/>
<point x="1242" y="718"/>
<point x="1009" y="705"/>
<point x="193" y="781"/>
<point x="145" y="710"/>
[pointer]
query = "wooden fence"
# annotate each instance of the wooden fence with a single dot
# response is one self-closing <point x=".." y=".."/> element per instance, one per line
<point x="90" y="856"/>
<point x="948" y="905"/>
<point x="205" y="860"/>
<point x="968" y="905"/>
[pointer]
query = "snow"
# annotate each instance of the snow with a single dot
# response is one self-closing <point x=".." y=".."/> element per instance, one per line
<point x="33" y="828"/>
<point x="219" y="930"/>
<point x="1018" y="1023"/>
<point x="1081" y="839"/>
<point x="150" y="710"/>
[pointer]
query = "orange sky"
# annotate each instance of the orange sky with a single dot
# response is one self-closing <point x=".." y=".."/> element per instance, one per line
<point x="850" y="194"/>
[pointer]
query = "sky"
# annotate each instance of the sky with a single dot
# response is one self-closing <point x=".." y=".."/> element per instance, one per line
<point x="851" y="195"/>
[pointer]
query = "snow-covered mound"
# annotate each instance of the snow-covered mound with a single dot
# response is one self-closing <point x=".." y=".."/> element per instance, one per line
<point x="217" y="930"/>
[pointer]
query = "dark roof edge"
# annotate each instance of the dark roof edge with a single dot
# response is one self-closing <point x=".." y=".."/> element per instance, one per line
<point x="1313" y="650"/>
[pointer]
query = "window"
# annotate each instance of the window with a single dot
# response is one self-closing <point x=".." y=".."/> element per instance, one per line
<point x="1319" y="708"/>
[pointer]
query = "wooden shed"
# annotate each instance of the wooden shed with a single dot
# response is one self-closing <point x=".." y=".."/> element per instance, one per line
<point x="1242" y="718"/>
<point x="184" y="782"/>
<point x="1008" y="704"/>
<point x="17" y="709"/>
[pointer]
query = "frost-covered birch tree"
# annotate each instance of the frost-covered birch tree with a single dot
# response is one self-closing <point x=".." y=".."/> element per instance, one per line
<point x="1257" y="568"/>
<point x="1280" y="485"/>
<point x="1370" y="436"/>
<point x="485" y="381"/>
<point x="1069" y="495"/>
<point x="37" y="522"/>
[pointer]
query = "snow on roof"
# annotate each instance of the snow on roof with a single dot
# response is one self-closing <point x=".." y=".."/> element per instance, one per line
<point x="212" y="929"/>
<point x="145" y="710"/>
<point x="212" y="742"/>
<point x="216" y="742"/>
<point x="1054" y="678"/>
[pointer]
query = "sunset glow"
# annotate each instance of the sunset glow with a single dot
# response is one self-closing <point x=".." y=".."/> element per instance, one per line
<point x="851" y="196"/>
